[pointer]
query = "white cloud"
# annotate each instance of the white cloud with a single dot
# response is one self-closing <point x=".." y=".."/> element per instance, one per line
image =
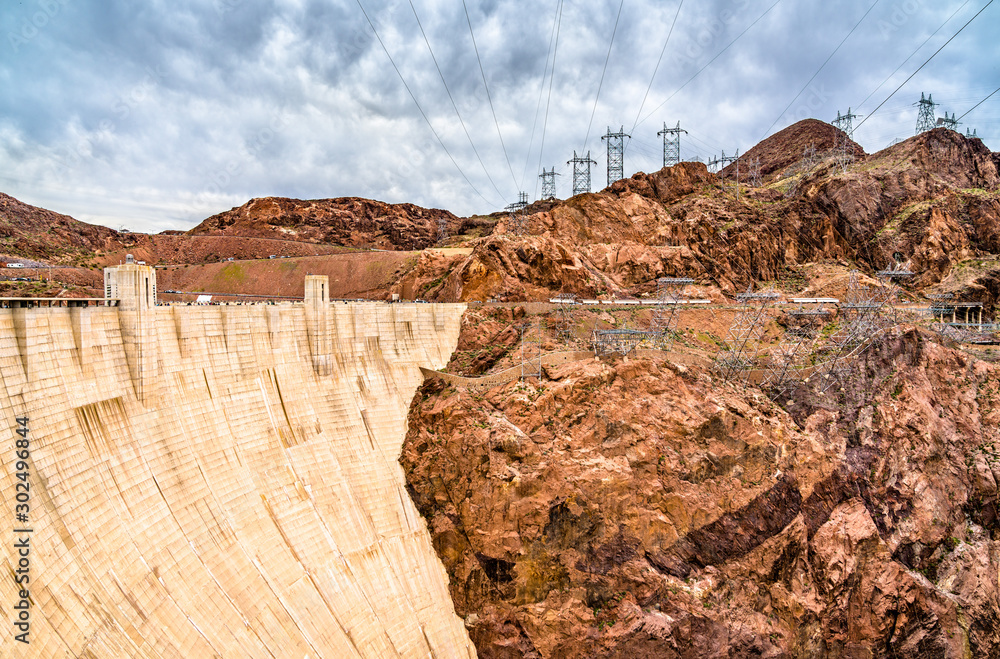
<point x="156" y="116"/>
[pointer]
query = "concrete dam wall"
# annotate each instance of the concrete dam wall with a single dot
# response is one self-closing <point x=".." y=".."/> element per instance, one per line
<point x="218" y="481"/>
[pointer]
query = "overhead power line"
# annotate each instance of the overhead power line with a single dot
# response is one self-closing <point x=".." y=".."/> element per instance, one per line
<point x="541" y="91"/>
<point x="940" y="27"/>
<point x="657" y="67"/>
<point x="552" y="75"/>
<point x="452" y="99"/>
<point x="417" y="103"/>
<point x="821" y="66"/>
<point x="979" y="103"/>
<point x="601" y="84"/>
<point x="709" y="63"/>
<point x="488" y="96"/>
<point x="910" y="77"/>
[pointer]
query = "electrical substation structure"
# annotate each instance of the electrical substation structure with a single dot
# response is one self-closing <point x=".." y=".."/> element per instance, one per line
<point x="948" y="122"/>
<point x="621" y="341"/>
<point x="616" y="154"/>
<point x="581" y="172"/>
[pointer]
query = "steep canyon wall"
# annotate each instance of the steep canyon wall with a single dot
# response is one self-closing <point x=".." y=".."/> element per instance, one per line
<point x="221" y="482"/>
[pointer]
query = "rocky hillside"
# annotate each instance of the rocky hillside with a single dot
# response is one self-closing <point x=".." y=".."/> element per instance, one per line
<point x="642" y="508"/>
<point x="347" y="221"/>
<point x="36" y="233"/>
<point x="932" y="199"/>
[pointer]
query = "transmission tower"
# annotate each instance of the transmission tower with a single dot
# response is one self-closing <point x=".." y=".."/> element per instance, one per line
<point x="948" y="122"/>
<point x="442" y="232"/>
<point x="548" y="183"/>
<point x="616" y="154"/>
<point x="671" y="144"/>
<point x="531" y="350"/>
<point x="972" y="135"/>
<point x="581" y="172"/>
<point x="668" y="293"/>
<point x="518" y="215"/>
<point x="754" y="175"/>
<point x="724" y="160"/>
<point x="845" y="122"/>
<point x="787" y="359"/>
<point x="564" y="322"/>
<point x="925" y="113"/>
<point x="745" y="334"/>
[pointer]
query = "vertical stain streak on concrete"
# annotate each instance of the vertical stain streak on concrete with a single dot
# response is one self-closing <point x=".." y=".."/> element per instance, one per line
<point x="19" y="317"/>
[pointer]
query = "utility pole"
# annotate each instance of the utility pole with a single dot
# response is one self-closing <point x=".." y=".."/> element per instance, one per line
<point x="671" y="144"/>
<point x="616" y="154"/>
<point x="548" y="183"/>
<point x="581" y="172"/>
<point x="925" y="113"/>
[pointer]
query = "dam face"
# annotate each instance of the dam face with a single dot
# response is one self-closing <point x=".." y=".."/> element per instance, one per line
<point x="220" y="481"/>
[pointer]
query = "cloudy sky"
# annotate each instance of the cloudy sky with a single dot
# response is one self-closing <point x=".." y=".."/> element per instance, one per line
<point x="154" y="115"/>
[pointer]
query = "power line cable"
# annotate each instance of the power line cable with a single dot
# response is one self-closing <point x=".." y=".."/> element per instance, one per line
<point x="657" y="67"/>
<point x="541" y="91"/>
<point x="924" y="64"/>
<point x="719" y="54"/>
<point x="601" y="84"/>
<point x="489" y="97"/>
<point x="452" y="99"/>
<point x="979" y="103"/>
<point x="821" y="67"/>
<point x="548" y="101"/>
<point x="947" y="20"/>
<point x="417" y="103"/>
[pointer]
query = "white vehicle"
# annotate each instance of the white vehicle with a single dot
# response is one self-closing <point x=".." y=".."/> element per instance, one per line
<point x="15" y="265"/>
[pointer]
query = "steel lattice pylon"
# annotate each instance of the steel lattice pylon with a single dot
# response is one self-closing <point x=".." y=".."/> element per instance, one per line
<point x="616" y="154"/>
<point x="621" y="341"/>
<point x="564" y="323"/>
<point x="671" y="144"/>
<point x="669" y="292"/>
<point x="517" y="214"/>
<point x="925" y="113"/>
<point x="845" y="122"/>
<point x="442" y="230"/>
<point x="581" y="172"/>
<point x="743" y="341"/>
<point x="531" y="350"/>
<point x="548" y="183"/>
<point x="785" y="361"/>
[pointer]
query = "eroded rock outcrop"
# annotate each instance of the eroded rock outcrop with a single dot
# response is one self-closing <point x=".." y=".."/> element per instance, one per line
<point x="348" y="221"/>
<point x="640" y="508"/>
<point x="932" y="200"/>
